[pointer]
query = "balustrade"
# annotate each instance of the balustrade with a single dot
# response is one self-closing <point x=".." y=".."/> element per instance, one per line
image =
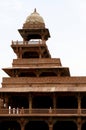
<point x="27" y="42"/>
<point x="42" y="112"/>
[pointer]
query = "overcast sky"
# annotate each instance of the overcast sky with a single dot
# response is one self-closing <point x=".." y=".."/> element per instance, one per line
<point x="66" y="20"/>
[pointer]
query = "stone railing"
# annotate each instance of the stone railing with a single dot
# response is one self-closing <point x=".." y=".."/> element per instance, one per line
<point x="28" y="42"/>
<point x="42" y="112"/>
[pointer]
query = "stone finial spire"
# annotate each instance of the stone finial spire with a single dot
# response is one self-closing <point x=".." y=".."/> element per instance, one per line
<point x="35" y="10"/>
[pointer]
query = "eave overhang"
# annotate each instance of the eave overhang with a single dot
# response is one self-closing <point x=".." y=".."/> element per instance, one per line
<point x="10" y="71"/>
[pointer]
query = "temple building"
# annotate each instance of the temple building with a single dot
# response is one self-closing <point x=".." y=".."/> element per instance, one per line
<point x="40" y="93"/>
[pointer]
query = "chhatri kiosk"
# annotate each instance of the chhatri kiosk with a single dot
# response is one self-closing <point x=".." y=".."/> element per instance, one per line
<point x="39" y="92"/>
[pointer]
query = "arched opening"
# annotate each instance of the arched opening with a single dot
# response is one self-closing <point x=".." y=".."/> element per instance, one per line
<point x="44" y="74"/>
<point x="66" y="102"/>
<point x="9" y="125"/>
<point x="42" y="102"/>
<point x="83" y="126"/>
<point x="36" y="125"/>
<point x="30" y="55"/>
<point x="65" y="125"/>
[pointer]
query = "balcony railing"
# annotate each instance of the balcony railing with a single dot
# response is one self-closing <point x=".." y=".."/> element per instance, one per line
<point x="28" y="42"/>
<point x="42" y="112"/>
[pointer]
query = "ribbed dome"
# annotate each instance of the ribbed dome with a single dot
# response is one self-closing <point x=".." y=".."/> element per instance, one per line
<point x="34" y="21"/>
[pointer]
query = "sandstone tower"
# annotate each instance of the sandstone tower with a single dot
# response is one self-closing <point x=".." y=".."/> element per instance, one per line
<point x="39" y="92"/>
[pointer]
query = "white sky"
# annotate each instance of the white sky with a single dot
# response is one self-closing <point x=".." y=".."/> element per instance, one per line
<point x="66" y="20"/>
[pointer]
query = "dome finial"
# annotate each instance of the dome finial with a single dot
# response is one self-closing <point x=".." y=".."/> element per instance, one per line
<point x="35" y="10"/>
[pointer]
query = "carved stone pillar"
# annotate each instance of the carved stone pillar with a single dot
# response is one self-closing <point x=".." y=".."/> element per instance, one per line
<point x="50" y="126"/>
<point x="54" y="101"/>
<point x="1" y="103"/>
<point x="20" y="53"/>
<point x="30" y="103"/>
<point x="79" y="127"/>
<point x="79" y="124"/>
<point x="6" y="102"/>
<point x="22" y="127"/>
<point x="22" y="123"/>
<point x="79" y="104"/>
